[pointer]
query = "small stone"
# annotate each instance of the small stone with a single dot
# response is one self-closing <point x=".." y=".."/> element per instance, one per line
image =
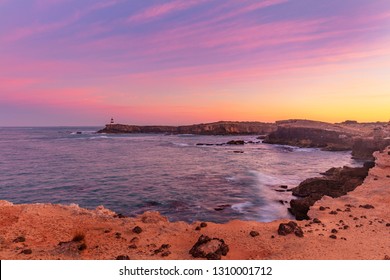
<point x="26" y="251"/>
<point x="338" y="209"/>
<point x="334" y="230"/>
<point x="254" y="233"/>
<point x="122" y="257"/>
<point x="165" y="254"/>
<point x="347" y="209"/>
<point x="346" y="227"/>
<point x="134" y="239"/>
<point x="197" y="228"/>
<point x="386" y="257"/>
<point x="19" y="239"/>
<point x="132" y="246"/>
<point x="333" y="212"/>
<point x="316" y="221"/>
<point x="333" y="236"/>
<point x="82" y="247"/>
<point x="272" y="236"/>
<point x="322" y="208"/>
<point x="203" y="224"/>
<point x="388" y="224"/>
<point x="118" y="235"/>
<point x="137" y="230"/>
<point x="120" y="216"/>
<point x="367" y="206"/>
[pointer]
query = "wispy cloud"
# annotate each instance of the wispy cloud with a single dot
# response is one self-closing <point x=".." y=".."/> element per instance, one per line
<point x="161" y="10"/>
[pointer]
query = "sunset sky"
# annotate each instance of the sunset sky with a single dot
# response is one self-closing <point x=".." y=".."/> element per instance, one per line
<point x="72" y="62"/>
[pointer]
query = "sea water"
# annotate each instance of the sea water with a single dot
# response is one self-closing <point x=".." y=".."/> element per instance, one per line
<point x="134" y="173"/>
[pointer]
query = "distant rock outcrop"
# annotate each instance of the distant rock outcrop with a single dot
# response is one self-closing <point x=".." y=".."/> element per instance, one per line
<point x="217" y="128"/>
<point x="360" y="138"/>
<point x="308" y="137"/>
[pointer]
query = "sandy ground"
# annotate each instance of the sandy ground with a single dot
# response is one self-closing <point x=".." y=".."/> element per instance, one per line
<point x="360" y="222"/>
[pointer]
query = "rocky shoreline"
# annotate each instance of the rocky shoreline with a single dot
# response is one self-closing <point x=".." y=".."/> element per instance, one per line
<point x="352" y="226"/>
<point x="362" y="139"/>
<point x="216" y="128"/>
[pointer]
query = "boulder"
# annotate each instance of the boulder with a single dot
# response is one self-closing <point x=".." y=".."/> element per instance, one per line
<point x="209" y="248"/>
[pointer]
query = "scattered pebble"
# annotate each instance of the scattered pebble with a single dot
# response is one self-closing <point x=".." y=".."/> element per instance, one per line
<point x="203" y="224"/>
<point x="334" y="230"/>
<point x="367" y="206"/>
<point x="254" y="233"/>
<point x="122" y="257"/>
<point x="26" y="251"/>
<point x="333" y="212"/>
<point x="316" y="221"/>
<point x="165" y="254"/>
<point x="137" y="230"/>
<point x="19" y="239"/>
<point x="333" y="236"/>
<point x="120" y="216"/>
<point x="82" y="247"/>
<point x="322" y="208"/>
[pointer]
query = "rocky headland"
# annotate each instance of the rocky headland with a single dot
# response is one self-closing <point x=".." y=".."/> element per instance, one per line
<point x="352" y="226"/>
<point x="360" y="138"/>
<point x="216" y="128"/>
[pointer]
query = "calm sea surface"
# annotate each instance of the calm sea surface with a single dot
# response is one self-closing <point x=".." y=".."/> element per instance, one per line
<point x="134" y="173"/>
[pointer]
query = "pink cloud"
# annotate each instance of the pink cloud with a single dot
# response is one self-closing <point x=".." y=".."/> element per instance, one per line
<point x="161" y="10"/>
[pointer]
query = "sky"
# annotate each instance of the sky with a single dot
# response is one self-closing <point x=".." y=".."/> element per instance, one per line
<point x="72" y="62"/>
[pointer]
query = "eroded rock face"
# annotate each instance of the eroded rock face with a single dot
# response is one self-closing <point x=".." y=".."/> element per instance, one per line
<point x="364" y="148"/>
<point x="209" y="248"/>
<point x="335" y="183"/>
<point x="307" y="137"/>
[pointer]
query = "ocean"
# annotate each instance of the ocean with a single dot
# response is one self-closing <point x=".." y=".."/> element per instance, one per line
<point x="134" y="173"/>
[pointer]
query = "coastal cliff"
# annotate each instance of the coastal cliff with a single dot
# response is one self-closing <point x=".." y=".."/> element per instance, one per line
<point x="217" y="128"/>
<point x="360" y="138"/>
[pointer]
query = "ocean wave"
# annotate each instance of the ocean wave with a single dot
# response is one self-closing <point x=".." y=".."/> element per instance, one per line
<point x="180" y="144"/>
<point x="240" y="207"/>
